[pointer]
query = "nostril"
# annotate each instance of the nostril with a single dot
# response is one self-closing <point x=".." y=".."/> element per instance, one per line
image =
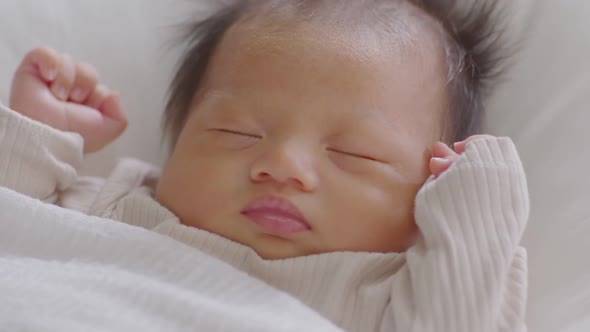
<point x="262" y="176"/>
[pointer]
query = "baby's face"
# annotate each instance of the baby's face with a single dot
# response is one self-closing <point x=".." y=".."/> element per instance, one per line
<point x="337" y="125"/>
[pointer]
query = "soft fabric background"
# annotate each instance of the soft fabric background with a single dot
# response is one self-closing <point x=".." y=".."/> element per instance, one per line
<point x="543" y="104"/>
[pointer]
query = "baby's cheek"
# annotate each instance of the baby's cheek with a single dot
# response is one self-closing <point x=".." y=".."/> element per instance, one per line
<point x="395" y="217"/>
<point x="372" y="216"/>
<point x="182" y="189"/>
<point x="206" y="195"/>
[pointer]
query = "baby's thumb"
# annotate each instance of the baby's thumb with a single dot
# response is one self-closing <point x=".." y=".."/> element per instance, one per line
<point x="112" y="124"/>
<point x="112" y="109"/>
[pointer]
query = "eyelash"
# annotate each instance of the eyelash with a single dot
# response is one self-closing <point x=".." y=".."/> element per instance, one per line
<point x="227" y="131"/>
<point x="354" y="155"/>
<point x="350" y="154"/>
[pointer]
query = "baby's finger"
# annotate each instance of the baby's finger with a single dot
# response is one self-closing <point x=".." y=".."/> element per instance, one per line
<point x="461" y="146"/>
<point x="97" y="96"/>
<point x="442" y="158"/>
<point x="439" y="165"/>
<point x="66" y="74"/>
<point x="112" y="109"/>
<point x="45" y="60"/>
<point x="84" y="83"/>
<point x="441" y="150"/>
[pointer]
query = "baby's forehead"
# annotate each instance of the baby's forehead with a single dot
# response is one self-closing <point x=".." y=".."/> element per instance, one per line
<point x="275" y="34"/>
<point x="367" y="30"/>
<point x="329" y="75"/>
<point x="281" y="58"/>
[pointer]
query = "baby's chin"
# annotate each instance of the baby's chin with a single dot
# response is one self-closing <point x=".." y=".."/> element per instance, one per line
<point x="270" y="247"/>
<point x="266" y="246"/>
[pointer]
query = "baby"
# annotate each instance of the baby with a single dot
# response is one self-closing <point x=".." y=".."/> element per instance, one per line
<point x="308" y="152"/>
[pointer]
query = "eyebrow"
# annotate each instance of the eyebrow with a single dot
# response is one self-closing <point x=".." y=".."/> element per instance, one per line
<point x="224" y="107"/>
<point x="212" y="97"/>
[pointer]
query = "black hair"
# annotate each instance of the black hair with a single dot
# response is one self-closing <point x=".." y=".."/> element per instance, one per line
<point x="470" y="35"/>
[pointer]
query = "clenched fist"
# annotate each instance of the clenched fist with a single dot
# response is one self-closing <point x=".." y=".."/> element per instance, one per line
<point x="50" y="87"/>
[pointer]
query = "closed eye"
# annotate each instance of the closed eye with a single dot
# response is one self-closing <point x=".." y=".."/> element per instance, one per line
<point x="233" y="132"/>
<point x="356" y="155"/>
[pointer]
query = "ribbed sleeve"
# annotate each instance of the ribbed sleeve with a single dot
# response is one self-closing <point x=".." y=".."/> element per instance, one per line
<point x="35" y="159"/>
<point x="468" y="273"/>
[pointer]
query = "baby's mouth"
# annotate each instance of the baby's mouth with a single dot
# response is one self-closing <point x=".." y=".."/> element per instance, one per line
<point x="276" y="215"/>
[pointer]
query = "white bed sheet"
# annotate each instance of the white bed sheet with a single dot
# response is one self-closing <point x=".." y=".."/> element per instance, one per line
<point x="65" y="271"/>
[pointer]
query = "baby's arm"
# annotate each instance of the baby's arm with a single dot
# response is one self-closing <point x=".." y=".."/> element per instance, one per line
<point x="467" y="273"/>
<point x="57" y="112"/>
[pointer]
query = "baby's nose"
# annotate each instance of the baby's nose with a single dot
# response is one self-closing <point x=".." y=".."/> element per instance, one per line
<point x="286" y="166"/>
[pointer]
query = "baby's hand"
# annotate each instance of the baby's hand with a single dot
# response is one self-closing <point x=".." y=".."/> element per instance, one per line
<point x="51" y="88"/>
<point x="443" y="156"/>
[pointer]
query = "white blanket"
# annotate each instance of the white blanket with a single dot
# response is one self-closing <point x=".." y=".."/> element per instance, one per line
<point x="64" y="271"/>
